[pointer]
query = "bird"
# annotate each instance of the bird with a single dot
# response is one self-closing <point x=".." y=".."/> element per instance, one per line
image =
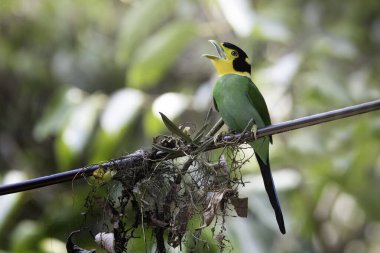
<point x="242" y="106"/>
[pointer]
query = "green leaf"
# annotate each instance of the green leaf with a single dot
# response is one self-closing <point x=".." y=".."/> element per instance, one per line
<point x="116" y="120"/>
<point x="25" y="236"/>
<point x="78" y="131"/>
<point x="174" y="129"/>
<point x="153" y="58"/>
<point x="57" y="113"/>
<point x="138" y="23"/>
<point x="153" y="125"/>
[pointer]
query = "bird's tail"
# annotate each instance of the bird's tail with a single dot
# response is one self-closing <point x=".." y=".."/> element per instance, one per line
<point x="271" y="191"/>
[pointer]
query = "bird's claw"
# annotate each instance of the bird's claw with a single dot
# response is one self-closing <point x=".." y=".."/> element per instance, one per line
<point x="252" y="127"/>
<point x="254" y="130"/>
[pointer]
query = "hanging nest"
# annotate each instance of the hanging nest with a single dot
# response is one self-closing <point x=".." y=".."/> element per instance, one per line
<point x="172" y="199"/>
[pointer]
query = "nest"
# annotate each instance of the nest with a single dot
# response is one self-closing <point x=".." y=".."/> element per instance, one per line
<point x="173" y="200"/>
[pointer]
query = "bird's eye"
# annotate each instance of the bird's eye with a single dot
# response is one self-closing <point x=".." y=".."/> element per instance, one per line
<point x="234" y="53"/>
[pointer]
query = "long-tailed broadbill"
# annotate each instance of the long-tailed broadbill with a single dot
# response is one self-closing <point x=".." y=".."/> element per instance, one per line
<point x="242" y="106"/>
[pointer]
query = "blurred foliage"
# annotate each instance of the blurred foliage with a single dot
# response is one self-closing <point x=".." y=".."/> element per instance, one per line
<point x="83" y="81"/>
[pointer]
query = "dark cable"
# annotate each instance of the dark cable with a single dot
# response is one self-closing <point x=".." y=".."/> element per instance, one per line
<point x="137" y="158"/>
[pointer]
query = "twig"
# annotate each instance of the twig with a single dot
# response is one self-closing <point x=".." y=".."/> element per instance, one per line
<point x="215" y="128"/>
<point x="136" y="159"/>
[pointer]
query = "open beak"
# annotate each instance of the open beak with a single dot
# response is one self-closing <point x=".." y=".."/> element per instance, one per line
<point x="219" y="49"/>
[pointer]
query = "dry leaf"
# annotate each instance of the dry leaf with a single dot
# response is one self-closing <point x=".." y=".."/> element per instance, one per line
<point x="210" y="212"/>
<point x="240" y="205"/>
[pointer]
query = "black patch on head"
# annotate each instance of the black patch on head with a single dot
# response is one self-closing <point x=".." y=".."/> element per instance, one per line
<point x="239" y="64"/>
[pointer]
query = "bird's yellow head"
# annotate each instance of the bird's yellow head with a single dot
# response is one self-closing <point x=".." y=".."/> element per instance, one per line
<point x="231" y="59"/>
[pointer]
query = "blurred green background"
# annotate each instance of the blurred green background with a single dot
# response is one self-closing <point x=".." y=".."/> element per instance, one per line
<point x="81" y="82"/>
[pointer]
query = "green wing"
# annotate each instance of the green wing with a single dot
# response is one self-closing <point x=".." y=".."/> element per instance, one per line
<point x="257" y="101"/>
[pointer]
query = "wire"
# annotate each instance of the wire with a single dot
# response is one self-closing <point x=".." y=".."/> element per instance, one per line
<point x="137" y="158"/>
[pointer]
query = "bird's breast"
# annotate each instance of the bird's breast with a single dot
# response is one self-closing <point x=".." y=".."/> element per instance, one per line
<point x="231" y="98"/>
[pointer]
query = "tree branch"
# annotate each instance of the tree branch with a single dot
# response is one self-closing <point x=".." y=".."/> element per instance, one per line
<point x="137" y="158"/>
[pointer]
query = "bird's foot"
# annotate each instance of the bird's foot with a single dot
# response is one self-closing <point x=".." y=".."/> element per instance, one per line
<point x="251" y="126"/>
<point x="254" y="131"/>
